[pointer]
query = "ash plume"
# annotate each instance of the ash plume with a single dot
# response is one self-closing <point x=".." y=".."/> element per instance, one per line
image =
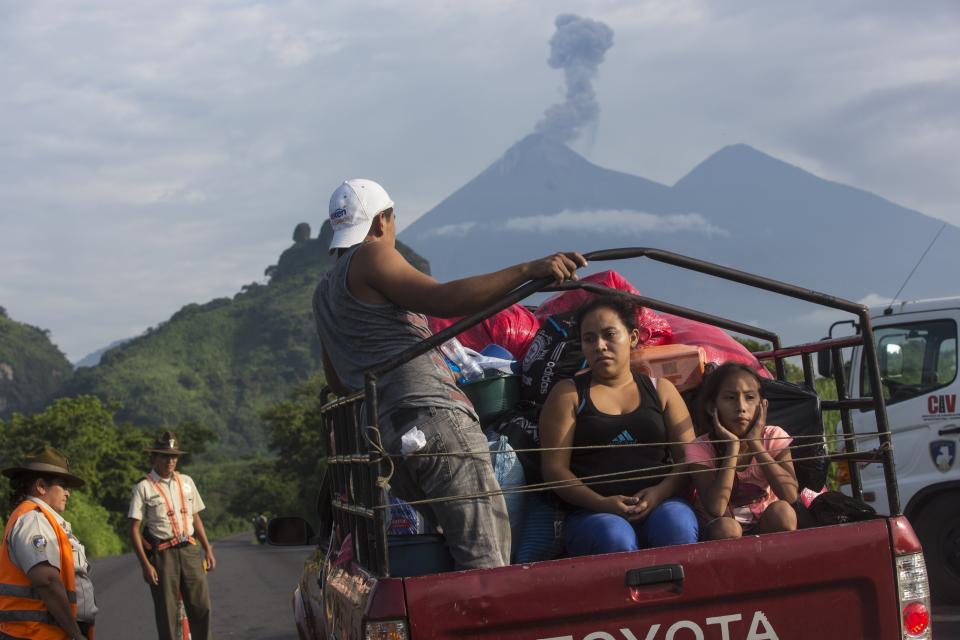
<point x="578" y="48"/>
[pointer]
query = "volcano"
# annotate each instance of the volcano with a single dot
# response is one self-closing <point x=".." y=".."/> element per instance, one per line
<point x="740" y="208"/>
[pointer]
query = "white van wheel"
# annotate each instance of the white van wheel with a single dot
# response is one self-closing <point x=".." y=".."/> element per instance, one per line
<point x="938" y="526"/>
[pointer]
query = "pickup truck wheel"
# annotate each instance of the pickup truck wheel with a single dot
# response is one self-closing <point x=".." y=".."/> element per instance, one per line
<point x="938" y="526"/>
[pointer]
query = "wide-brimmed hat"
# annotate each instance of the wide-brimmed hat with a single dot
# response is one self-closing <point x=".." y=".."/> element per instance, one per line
<point x="166" y="443"/>
<point x="46" y="461"/>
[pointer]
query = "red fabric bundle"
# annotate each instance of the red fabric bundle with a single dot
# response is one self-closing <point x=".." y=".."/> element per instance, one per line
<point x="513" y="329"/>
<point x="654" y="329"/>
<point x="718" y="345"/>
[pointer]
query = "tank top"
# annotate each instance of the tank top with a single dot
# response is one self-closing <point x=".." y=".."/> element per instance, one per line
<point x="643" y="425"/>
<point x="358" y="336"/>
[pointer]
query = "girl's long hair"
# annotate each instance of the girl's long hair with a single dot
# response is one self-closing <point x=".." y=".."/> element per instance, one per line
<point x="710" y="388"/>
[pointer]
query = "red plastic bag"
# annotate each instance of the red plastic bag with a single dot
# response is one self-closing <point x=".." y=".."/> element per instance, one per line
<point x="654" y="329"/>
<point x="513" y="329"/>
<point x="475" y="338"/>
<point x="718" y="345"/>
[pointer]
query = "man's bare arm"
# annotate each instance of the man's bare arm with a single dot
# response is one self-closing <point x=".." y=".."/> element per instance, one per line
<point x="149" y="571"/>
<point x="45" y="578"/>
<point x="201" y="534"/>
<point x="379" y="273"/>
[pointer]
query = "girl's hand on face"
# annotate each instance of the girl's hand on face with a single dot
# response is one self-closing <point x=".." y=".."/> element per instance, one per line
<point x="721" y="432"/>
<point x="759" y="422"/>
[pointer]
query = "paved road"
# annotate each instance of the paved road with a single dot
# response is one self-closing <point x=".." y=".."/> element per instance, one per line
<point x="250" y="590"/>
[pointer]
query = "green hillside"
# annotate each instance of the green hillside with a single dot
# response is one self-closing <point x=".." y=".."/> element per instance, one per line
<point x="223" y="362"/>
<point x="32" y="369"/>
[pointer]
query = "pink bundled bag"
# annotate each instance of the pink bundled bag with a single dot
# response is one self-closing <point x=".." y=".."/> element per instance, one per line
<point x="513" y="329"/>
<point x="654" y="328"/>
<point x="717" y="344"/>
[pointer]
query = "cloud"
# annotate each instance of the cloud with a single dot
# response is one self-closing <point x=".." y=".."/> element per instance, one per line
<point x="616" y="221"/>
<point x="451" y="230"/>
<point x="127" y="120"/>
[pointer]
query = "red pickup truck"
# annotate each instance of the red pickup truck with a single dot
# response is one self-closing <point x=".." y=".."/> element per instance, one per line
<point x="862" y="579"/>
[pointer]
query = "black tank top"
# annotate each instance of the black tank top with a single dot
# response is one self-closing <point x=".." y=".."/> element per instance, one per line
<point x="644" y="425"/>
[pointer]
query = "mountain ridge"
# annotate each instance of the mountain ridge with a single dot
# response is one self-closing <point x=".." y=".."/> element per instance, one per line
<point x="32" y="368"/>
<point x="221" y="363"/>
<point x="739" y="207"/>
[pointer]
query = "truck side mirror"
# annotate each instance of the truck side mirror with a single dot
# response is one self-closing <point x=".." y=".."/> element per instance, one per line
<point x="825" y="362"/>
<point x="289" y="531"/>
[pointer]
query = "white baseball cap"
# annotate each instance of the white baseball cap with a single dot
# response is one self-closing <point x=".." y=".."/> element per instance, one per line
<point x="353" y="206"/>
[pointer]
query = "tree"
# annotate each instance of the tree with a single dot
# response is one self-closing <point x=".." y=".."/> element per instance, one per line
<point x="794" y="373"/>
<point x="106" y="455"/>
<point x="296" y="435"/>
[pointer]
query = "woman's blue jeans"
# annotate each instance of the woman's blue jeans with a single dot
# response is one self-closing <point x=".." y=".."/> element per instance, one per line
<point x="671" y="522"/>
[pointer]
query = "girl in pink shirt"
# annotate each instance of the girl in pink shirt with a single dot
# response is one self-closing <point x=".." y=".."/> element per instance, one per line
<point x="742" y="468"/>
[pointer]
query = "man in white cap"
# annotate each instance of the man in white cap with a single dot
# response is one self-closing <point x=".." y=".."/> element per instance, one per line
<point x="370" y="307"/>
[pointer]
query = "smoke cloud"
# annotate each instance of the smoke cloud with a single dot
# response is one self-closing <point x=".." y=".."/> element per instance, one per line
<point x="578" y="48"/>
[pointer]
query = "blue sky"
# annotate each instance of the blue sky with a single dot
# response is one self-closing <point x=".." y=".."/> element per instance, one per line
<point x="158" y="154"/>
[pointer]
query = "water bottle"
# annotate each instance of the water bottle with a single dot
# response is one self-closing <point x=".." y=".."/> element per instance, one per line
<point x="469" y="369"/>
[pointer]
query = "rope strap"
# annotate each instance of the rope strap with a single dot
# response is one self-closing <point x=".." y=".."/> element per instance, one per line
<point x="593" y="480"/>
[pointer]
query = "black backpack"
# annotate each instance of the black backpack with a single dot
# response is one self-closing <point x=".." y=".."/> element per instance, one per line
<point x="553" y="355"/>
<point x="796" y="408"/>
<point x="833" y="507"/>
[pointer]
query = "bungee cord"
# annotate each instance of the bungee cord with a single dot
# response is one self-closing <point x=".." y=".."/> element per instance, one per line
<point x="559" y="484"/>
<point x="646" y="473"/>
<point x="812" y="439"/>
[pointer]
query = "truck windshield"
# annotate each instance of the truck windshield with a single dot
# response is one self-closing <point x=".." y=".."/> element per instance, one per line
<point x="915" y="358"/>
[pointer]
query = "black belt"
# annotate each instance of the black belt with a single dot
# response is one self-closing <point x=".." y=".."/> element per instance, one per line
<point x="402" y="417"/>
<point x="86" y="629"/>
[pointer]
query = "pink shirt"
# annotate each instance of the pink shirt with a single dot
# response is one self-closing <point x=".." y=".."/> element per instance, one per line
<point x="752" y="493"/>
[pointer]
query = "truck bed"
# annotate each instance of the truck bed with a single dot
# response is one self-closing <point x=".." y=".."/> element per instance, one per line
<point x="830" y="582"/>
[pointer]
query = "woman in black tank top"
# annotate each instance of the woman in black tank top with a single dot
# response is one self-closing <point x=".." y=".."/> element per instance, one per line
<point x="617" y="497"/>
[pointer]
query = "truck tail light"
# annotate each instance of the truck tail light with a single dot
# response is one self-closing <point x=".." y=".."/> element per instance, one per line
<point x="387" y="630"/>
<point x="913" y="596"/>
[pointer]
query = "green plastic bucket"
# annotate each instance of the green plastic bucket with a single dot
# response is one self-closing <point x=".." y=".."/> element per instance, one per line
<point x="492" y="397"/>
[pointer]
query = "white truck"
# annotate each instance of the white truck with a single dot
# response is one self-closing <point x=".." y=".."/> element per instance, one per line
<point x="916" y="344"/>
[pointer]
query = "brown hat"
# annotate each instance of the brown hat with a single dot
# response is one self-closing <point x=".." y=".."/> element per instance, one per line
<point x="46" y="461"/>
<point x="166" y="443"/>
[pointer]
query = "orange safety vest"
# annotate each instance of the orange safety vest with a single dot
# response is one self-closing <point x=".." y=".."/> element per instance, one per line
<point x="179" y="535"/>
<point x="23" y="613"/>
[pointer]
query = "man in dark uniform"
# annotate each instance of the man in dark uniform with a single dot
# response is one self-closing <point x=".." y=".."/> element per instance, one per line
<point x="169" y="505"/>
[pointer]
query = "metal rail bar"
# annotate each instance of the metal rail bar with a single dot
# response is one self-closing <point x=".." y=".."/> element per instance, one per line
<point x="880" y="412"/>
<point x="677" y="310"/>
<point x="458" y="327"/>
<point x="726" y="273"/>
<point x="807" y="369"/>
<point x="840" y="379"/>
<point x="377" y="494"/>
<point x="810" y="347"/>
<point x="847" y="403"/>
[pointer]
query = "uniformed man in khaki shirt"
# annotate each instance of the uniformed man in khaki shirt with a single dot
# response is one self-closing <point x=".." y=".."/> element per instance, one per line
<point x="168" y="505"/>
<point x="32" y="580"/>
